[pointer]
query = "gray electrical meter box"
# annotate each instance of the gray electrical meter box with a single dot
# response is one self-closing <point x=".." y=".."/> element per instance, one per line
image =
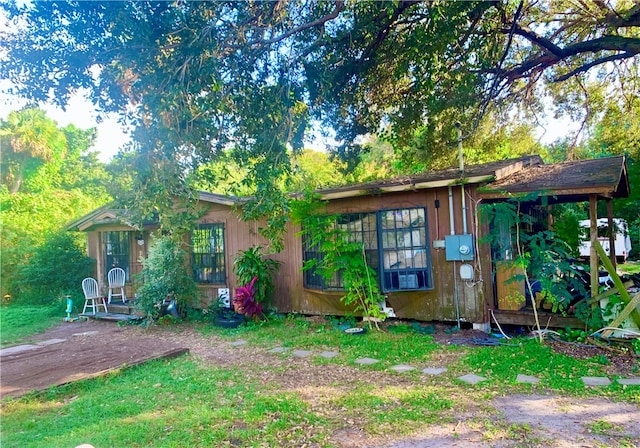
<point x="459" y="247"/>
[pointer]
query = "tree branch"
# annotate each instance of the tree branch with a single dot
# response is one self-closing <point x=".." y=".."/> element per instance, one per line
<point x="615" y="19"/>
<point x="625" y="46"/>
<point x="384" y="30"/>
<point x="536" y="40"/>
<point x="339" y="6"/>
<point x="585" y="67"/>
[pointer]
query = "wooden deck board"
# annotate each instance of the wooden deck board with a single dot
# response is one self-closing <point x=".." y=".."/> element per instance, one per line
<point x="526" y="317"/>
<point x="118" y="317"/>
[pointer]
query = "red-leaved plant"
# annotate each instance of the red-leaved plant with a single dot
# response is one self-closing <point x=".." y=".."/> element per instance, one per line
<point x="245" y="300"/>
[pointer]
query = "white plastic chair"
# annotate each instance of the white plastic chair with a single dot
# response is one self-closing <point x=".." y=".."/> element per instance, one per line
<point x="116" y="278"/>
<point x="92" y="297"/>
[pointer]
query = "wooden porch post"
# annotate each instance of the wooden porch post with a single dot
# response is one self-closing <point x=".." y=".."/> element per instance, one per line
<point x="593" y="255"/>
<point x="612" y="233"/>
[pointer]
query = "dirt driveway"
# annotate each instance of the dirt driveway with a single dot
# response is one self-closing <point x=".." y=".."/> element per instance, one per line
<point x="76" y="351"/>
<point x="91" y="348"/>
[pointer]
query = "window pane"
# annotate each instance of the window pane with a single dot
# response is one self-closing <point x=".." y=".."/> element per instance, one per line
<point x="358" y="228"/>
<point x="402" y="263"/>
<point x="117" y="250"/>
<point x="312" y="254"/>
<point x="208" y="260"/>
<point x="405" y="250"/>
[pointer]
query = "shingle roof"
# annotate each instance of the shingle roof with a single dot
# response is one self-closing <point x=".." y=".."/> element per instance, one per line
<point x="472" y="174"/>
<point x="568" y="181"/>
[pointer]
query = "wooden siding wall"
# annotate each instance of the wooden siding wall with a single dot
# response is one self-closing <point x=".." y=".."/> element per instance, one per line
<point x="290" y="294"/>
<point x="239" y="236"/>
<point x="436" y="304"/>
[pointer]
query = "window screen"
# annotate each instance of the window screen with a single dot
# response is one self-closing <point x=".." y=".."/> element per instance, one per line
<point x="208" y="261"/>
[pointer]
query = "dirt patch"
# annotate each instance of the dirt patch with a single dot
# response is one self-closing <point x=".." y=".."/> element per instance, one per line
<point x="614" y="360"/>
<point x="77" y="351"/>
<point x="585" y="421"/>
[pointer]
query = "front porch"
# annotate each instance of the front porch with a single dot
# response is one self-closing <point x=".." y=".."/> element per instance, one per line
<point x="117" y="311"/>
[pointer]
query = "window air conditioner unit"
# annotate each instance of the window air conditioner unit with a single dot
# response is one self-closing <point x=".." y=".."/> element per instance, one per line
<point x="409" y="281"/>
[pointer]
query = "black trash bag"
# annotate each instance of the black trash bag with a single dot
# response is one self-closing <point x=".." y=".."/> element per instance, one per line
<point x="169" y="307"/>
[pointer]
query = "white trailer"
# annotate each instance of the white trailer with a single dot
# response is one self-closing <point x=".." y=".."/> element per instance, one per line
<point x="622" y="240"/>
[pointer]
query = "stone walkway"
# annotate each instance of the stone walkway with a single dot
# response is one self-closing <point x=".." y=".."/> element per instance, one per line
<point x="469" y="378"/>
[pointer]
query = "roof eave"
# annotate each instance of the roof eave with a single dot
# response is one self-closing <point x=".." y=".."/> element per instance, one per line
<point x="411" y="186"/>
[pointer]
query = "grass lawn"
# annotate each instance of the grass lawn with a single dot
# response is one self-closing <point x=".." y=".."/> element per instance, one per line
<point x="186" y="402"/>
<point x="17" y="323"/>
<point x="630" y="267"/>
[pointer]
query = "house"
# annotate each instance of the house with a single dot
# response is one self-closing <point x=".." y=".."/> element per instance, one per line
<point x="422" y="234"/>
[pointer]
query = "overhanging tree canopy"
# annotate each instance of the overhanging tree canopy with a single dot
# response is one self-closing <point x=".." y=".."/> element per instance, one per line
<point x="198" y="77"/>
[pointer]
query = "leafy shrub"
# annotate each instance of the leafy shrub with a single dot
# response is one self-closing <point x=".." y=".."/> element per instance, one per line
<point x="340" y="255"/>
<point x="252" y="263"/>
<point x="56" y="267"/>
<point x="245" y="300"/>
<point x="541" y="253"/>
<point x="164" y="276"/>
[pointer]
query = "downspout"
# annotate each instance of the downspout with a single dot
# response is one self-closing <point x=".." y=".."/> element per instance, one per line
<point x="456" y="299"/>
<point x="464" y="221"/>
<point x="451" y="221"/>
<point x="461" y="167"/>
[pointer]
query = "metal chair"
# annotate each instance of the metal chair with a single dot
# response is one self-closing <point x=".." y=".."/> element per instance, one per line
<point x="116" y="278"/>
<point x="92" y="297"/>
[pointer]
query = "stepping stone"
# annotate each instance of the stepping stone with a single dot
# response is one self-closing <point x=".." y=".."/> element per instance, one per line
<point x="278" y="350"/>
<point x="596" y="381"/>
<point x="86" y="333"/>
<point x="18" y="349"/>
<point x="51" y="342"/>
<point x="238" y="343"/>
<point x="301" y="353"/>
<point x="434" y="370"/>
<point x="366" y="361"/>
<point x="629" y="381"/>
<point x="401" y="368"/>
<point x="527" y="379"/>
<point x="471" y="378"/>
<point x="329" y="355"/>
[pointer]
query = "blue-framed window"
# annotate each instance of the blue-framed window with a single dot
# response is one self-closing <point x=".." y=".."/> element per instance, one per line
<point x="404" y="250"/>
<point x="396" y="246"/>
<point x="207" y="253"/>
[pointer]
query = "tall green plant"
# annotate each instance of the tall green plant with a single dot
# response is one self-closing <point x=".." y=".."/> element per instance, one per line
<point x="165" y="275"/>
<point x="252" y="263"/>
<point x="56" y="267"/>
<point x="541" y="254"/>
<point x="340" y="256"/>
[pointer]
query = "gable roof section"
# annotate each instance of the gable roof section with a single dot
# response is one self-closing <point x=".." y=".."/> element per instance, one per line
<point x="100" y="216"/>
<point x="567" y="181"/>
<point x="106" y="215"/>
<point x="472" y="174"/>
